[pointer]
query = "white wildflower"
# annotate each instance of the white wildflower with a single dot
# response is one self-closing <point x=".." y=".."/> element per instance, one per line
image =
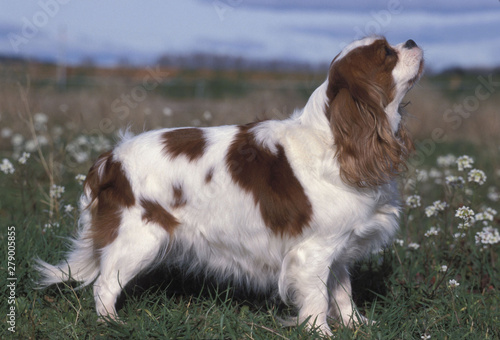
<point x="30" y="145"/>
<point x="425" y="336"/>
<point x="435" y="173"/>
<point x="464" y="226"/>
<point x="464" y="162"/>
<point x="68" y="208"/>
<point x="57" y="132"/>
<point x="207" y="115"/>
<point x="168" y="112"/>
<point x="477" y="176"/>
<point x="443" y="268"/>
<point x="399" y="242"/>
<point x="433" y="231"/>
<point x="413" y="201"/>
<point x="56" y="191"/>
<point x="488" y="235"/>
<point x="414" y="246"/>
<point x="458" y="235"/>
<point x="465" y="213"/>
<point x="24" y="158"/>
<point x="453" y="283"/>
<point x="455" y="181"/>
<point x="487" y="215"/>
<point x="490" y="211"/>
<point x="435" y="208"/>
<point x="40" y="121"/>
<point x="48" y="226"/>
<point x="80" y="178"/>
<point x="422" y="175"/>
<point x="17" y="140"/>
<point x="6" y="167"/>
<point x="493" y="194"/>
<point x="446" y="161"/>
<point x="6" y="132"/>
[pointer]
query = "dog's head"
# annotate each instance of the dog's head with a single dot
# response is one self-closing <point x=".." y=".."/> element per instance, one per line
<point x="366" y="84"/>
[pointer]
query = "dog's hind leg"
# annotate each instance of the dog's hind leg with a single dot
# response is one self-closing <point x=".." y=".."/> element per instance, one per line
<point x="136" y="248"/>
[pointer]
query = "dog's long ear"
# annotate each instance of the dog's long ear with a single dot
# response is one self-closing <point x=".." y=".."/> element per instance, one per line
<point x="369" y="153"/>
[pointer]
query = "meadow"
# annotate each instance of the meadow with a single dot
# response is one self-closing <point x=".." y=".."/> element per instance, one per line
<point x="439" y="279"/>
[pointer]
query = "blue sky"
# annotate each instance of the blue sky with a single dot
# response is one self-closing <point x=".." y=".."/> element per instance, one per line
<point x="453" y="33"/>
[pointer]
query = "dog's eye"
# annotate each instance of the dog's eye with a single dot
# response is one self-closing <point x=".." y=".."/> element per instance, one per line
<point x="388" y="51"/>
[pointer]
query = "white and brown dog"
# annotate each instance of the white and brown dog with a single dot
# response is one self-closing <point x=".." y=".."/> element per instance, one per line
<point x="284" y="205"/>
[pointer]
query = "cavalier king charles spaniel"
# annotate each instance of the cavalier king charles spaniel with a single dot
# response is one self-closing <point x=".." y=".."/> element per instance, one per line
<point x="274" y="205"/>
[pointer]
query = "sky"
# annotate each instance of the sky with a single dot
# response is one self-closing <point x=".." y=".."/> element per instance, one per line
<point x="453" y="33"/>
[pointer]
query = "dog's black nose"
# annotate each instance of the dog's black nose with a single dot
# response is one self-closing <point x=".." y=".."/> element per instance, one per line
<point x="410" y="44"/>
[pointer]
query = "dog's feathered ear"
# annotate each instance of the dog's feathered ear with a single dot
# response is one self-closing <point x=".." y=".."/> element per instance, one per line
<point x="369" y="153"/>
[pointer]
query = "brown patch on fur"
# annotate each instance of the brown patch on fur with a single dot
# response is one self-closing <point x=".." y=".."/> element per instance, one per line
<point x="269" y="178"/>
<point x="155" y="213"/>
<point x="360" y="86"/>
<point x="189" y="142"/>
<point x="179" y="199"/>
<point x="110" y="193"/>
<point x="209" y="175"/>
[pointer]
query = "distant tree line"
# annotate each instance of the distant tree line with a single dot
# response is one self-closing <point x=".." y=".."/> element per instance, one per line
<point x="197" y="61"/>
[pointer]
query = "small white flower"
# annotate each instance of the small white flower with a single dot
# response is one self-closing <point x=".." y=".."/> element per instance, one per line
<point x="425" y="337"/>
<point x="493" y="194"/>
<point x="435" y="208"/>
<point x="399" y="242"/>
<point x="17" y="140"/>
<point x="168" y="112"/>
<point x="6" y="167"/>
<point x="443" y="268"/>
<point x="48" y="226"/>
<point x="80" y="178"/>
<point x="487" y="215"/>
<point x="488" y="235"/>
<point x="68" y="208"/>
<point x="453" y="283"/>
<point x="458" y="235"/>
<point x="435" y="173"/>
<point x="414" y="246"/>
<point x="433" y="231"/>
<point x="464" y="226"/>
<point x="477" y="176"/>
<point x="465" y="213"/>
<point x="422" y="175"/>
<point x="24" y="158"/>
<point x="455" y="181"/>
<point x="207" y="115"/>
<point x="6" y="132"/>
<point x="413" y="201"/>
<point x="56" y="191"/>
<point x="40" y="121"/>
<point x="464" y="162"/>
<point x="446" y="161"/>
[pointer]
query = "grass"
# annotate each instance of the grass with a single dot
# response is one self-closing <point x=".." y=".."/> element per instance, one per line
<point x="405" y="288"/>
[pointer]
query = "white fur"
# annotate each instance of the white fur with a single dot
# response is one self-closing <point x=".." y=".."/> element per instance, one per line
<point x="222" y="232"/>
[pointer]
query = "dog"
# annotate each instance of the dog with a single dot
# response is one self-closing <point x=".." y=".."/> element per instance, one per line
<point x="272" y="205"/>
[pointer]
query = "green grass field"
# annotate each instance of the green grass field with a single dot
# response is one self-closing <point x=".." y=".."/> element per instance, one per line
<point x="438" y="280"/>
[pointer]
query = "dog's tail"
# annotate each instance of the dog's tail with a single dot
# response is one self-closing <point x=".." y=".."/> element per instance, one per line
<point x="80" y="265"/>
<point x="82" y="261"/>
